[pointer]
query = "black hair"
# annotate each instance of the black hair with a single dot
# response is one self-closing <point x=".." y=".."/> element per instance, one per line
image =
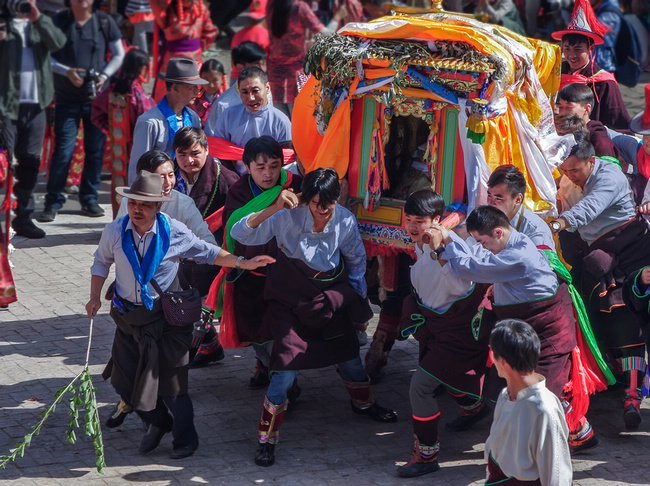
<point x="517" y="343"/>
<point x="425" y="202"/>
<point x="574" y="39"/>
<point x="280" y="17"/>
<point x="485" y="219"/>
<point x="569" y="123"/>
<point x="252" y="72"/>
<point x="134" y="61"/>
<point x="187" y="137"/>
<point x="583" y="149"/>
<point x="265" y="146"/>
<point x="577" y="93"/>
<point x="510" y="176"/>
<point x="212" y="66"/>
<point x="247" y="53"/>
<point x="151" y="160"/>
<point x="323" y="183"/>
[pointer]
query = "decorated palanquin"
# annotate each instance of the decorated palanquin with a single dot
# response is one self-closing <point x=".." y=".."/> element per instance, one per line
<point x="431" y="99"/>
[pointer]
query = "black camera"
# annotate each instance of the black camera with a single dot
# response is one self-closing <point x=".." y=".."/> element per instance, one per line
<point x="90" y="83"/>
<point x="16" y="7"/>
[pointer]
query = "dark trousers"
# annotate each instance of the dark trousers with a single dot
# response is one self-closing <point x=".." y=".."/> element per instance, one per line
<point x="67" y="117"/>
<point x="182" y="410"/>
<point x="24" y="139"/>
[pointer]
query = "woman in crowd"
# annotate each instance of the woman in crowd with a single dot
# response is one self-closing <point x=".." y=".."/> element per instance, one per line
<point x="289" y="22"/>
<point x="133" y="73"/>
<point x="315" y="292"/>
<point x="214" y="73"/>
<point x="187" y="29"/>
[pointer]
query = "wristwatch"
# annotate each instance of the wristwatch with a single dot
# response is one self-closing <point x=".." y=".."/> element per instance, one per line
<point x="555" y="226"/>
<point x="435" y="254"/>
<point x="239" y="260"/>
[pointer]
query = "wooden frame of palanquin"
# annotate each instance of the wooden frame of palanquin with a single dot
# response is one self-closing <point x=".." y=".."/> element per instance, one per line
<point x="385" y="224"/>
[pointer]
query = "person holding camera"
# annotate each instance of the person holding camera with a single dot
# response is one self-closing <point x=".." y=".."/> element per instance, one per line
<point x="26" y="40"/>
<point x="81" y="68"/>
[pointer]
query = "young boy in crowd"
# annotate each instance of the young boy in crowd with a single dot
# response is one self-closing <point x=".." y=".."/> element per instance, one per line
<point x="439" y="313"/>
<point x="528" y="437"/>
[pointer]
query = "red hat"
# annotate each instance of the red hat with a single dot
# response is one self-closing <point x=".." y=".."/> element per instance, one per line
<point x="641" y="122"/>
<point x="583" y="22"/>
<point x="257" y="10"/>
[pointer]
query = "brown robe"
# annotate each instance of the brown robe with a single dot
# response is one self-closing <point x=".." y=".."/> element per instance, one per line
<point x="149" y="357"/>
<point x="249" y="303"/>
<point x="449" y="349"/>
<point x="311" y="318"/>
<point x="553" y="320"/>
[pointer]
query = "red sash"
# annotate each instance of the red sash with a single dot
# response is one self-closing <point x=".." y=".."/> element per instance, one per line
<point x="643" y="163"/>
<point x="600" y="76"/>
<point x="226" y="150"/>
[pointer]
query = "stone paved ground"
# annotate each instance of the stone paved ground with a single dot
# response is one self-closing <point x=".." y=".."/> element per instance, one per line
<point x="43" y="345"/>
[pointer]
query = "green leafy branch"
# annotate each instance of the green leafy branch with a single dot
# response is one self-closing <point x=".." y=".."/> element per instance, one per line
<point x="82" y="397"/>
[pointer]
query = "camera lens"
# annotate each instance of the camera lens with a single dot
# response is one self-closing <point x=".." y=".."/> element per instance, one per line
<point x="24" y="7"/>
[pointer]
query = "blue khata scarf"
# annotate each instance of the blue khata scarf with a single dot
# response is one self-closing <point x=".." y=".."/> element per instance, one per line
<point x="172" y="120"/>
<point x="145" y="270"/>
<point x="181" y="185"/>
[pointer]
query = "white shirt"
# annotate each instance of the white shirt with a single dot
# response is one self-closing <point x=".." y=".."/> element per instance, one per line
<point x="529" y="437"/>
<point x="182" y="209"/>
<point x="238" y="125"/>
<point x="152" y="132"/>
<point x="182" y="244"/>
<point x="228" y="98"/>
<point x="436" y="286"/>
<point x="28" y="85"/>
<point x="294" y="231"/>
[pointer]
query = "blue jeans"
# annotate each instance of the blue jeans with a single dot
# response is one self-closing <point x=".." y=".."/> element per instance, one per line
<point x="281" y="381"/>
<point x="66" y="125"/>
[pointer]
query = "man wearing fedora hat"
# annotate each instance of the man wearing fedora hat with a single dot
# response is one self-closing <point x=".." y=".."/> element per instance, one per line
<point x="148" y="365"/>
<point x="155" y="128"/>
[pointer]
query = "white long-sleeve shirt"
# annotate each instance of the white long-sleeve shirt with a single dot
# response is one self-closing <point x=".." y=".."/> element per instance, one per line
<point x="437" y="287"/>
<point x="182" y="244"/>
<point x="294" y="231"/>
<point x="529" y="437"/>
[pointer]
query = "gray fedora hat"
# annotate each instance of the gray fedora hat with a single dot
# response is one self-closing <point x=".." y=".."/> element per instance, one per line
<point x="182" y="70"/>
<point x="148" y="186"/>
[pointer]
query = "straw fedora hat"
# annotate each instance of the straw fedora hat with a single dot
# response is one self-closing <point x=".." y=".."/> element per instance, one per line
<point x="146" y="187"/>
<point x="182" y="70"/>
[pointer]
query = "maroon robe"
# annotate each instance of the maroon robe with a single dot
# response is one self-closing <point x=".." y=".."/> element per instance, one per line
<point x="449" y="349"/>
<point x="248" y="301"/>
<point x="609" y="107"/>
<point x="497" y="476"/>
<point x="311" y="315"/>
<point x="209" y="195"/>
<point x="553" y="321"/>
